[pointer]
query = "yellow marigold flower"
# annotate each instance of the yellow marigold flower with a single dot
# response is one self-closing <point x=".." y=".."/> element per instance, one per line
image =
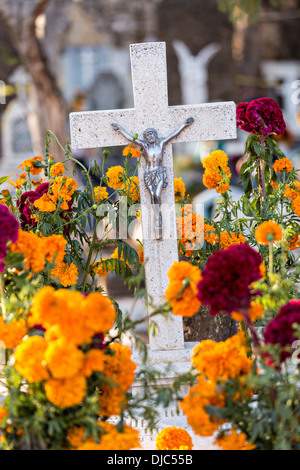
<point x="182" y="288"/>
<point x="268" y="232"/>
<point x="223" y="360"/>
<point x="204" y="393"/>
<point x="54" y="248"/>
<point x="138" y="216"/>
<point x="141" y="256"/>
<point x="46" y="203"/>
<point x="119" y="366"/>
<point x="296" y="205"/>
<point x="64" y="360"/>
<point x="75" y="436"/>
<point x="234" y="441"/>
<point x="100" y="269"/>
<point x="100" y="193"/>
<point x="29" y="359"/>
<point x="66" y="274"/>
<point x="132" y="188"/>
<point x="179" y="188"/>
<point x="65" y="393"/>
<point x="114" y="176"/>
<point x="99" y="312"/>
<point x="29" y="164"/>
<point x="134" y="152"/>
<point x="115" y="255"/>
<point x="12" y="333"/>
<point x="31" y="246"/>
<point x="255" y="311"/>
<point x="283" y="164"/>
<point x="231" y="239"/>
<point x="217" y="172"/>
<point x="171" y="438"/>
<point x="93" y="362"/>
<point x="57" y="169"/>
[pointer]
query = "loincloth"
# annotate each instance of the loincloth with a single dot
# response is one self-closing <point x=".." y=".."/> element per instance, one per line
<point x="153" y="177"/>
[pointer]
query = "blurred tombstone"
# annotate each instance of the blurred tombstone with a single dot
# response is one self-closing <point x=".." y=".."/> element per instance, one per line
<point x="106" y="92"/>
<point x="193" y="72"/>
<point x="15" y="132"/>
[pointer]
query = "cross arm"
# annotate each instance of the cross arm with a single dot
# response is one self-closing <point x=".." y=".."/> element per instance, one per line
<point x="93" y="129"/>
<point x="213" y="121"/>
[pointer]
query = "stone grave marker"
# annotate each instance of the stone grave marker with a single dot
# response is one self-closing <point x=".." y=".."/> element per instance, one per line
<point x="92" y="129"/>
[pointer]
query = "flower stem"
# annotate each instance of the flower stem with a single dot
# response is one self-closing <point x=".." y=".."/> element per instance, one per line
<point x="270" y="259"/>
<point x="88" y="263"/>
<point x="2" y="299"/>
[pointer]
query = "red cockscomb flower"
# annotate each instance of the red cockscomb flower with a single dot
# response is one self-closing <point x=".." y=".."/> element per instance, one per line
<point x="280" y="330"/>
<point x="8" y="232"/>
<point x="262" y="116"/>
<point x="227" y="278"/>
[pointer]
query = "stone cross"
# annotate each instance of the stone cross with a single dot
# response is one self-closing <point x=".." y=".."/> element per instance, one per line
<point x="92" y="129"/>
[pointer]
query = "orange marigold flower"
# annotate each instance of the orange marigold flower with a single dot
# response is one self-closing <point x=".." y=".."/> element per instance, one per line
<point x="119" y="366"/>
<point x="293" y="243"/>
<point x="29" y="359"/>
<point x="3" y="413"/>
<point x="63" y="359"/>
<point x="268" y="232"/>
<point x="18" y="183"/>
<point x="171" y="438"/>
<point x="274" y="185"/>
<point x="114" y="176"/>
<point x="54" y="248"/>
<point x="12" y="333"/>
<point x="217" y="172"/>
<point x="100" y="193"/>
<point x="36" y="183"/>
<point x="204" y="393"/>
<point x="234" y="441"/>
<point x="255" y="311"/>
<point x="179" y="188"/>
<point x="67" y="274"/>
<point x="141" y="256"/>
<point x="134" y="152"/>
<point x="29" y="165"/>
<point x="47" y="307"/>
<point x="64" y="187"/>
<point x="65" y="393"/>
<point x="296" y="205"/>
<point x="283" y="164"/>
<point x="57" y="169"/>
<point x="75" y="436"/>
<point x="93" y="362"/>
<point x="190" y="229"/>
<point x="132" y="188"/>
<point x="231" y="239"/>
<point x="222" y="360"/>
<point x="31" y="246"/>
<point x="99" y="312"/>
<point x="46" y="203"/>
<point x="113" y="439"/>
<point x="292" y="191"/>
<point x="112" y="401"/>
<point x="182" y="288"/>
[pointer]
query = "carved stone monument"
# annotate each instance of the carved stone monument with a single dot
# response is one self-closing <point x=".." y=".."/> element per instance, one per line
<point x="211" y="122"/>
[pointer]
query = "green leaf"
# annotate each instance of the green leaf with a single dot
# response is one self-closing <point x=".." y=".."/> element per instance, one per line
<point x="3" y="179"/>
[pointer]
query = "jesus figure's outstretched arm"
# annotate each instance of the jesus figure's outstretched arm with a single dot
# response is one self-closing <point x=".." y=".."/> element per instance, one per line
<point x="126" y="134"/>
<point x="174" y="134"/>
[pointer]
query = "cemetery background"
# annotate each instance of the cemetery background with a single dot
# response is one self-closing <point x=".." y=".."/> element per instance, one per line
<point x="90" y="62"/>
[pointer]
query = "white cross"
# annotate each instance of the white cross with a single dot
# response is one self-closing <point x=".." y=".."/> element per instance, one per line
<point x="92" y="129"/>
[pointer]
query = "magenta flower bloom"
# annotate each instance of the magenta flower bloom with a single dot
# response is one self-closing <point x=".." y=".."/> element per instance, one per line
<point x="262" y="116"/>
<point x="280" y="330"/>
<point x="227" y="277"/>
<point x="26" y="202"/>
<point x="8" y="232"/>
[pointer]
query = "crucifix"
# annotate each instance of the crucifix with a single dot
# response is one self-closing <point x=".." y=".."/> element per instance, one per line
<point x="150" y="117"/>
